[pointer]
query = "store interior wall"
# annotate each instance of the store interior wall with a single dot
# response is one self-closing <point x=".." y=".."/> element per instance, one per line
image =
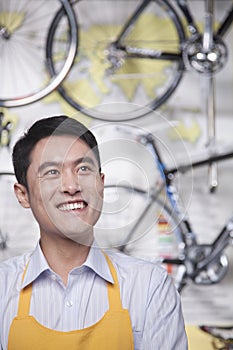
<point x="208" y="211"/>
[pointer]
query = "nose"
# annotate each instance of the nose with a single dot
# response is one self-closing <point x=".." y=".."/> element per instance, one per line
<point x="70" y="183"/>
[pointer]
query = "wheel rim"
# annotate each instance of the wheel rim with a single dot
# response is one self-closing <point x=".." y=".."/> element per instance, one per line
<point x="24" y="75"/>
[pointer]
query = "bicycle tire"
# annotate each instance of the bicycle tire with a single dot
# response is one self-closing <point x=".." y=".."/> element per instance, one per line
<point x="24" y="27"/>
<point x="158" y="234"/>
<point x="139" y="85"/>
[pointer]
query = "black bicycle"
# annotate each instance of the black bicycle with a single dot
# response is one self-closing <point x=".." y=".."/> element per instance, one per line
<point x="135" y="52"/>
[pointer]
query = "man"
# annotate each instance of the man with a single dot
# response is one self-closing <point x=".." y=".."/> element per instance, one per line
<point x="68" y="293"/>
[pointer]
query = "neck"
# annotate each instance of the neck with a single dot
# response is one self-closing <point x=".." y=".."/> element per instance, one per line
<point x="64" y="255"/>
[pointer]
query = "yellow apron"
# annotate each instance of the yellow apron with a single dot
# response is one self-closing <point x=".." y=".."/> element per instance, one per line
<point x="113" y="331"/>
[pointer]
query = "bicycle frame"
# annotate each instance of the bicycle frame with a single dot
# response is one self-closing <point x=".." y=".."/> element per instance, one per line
<point x="196" y="261"/>
<point x="134" y="52"/>
<point x="208" y="37"/>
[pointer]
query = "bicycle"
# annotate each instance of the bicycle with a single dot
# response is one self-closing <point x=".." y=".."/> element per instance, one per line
<point x="24" y="26"/>
<point x="142" y="61"/>
<point x="130" y="211"/>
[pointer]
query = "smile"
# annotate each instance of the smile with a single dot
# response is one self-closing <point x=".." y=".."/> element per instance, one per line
<point x="72" y="206"/>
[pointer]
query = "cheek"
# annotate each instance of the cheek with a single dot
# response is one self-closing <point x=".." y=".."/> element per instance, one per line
<point x="95" y="193"/>
<point x="99" y="188"/>
<point x="41" y="197"/>
<point x="92" y="184"/>
<point x="47" y="189"/>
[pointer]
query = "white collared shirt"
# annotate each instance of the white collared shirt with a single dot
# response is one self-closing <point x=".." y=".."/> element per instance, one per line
<point x="146" y="291"/>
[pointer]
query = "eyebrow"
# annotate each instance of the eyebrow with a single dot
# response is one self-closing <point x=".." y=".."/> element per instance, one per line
<point x="78" y="161"/>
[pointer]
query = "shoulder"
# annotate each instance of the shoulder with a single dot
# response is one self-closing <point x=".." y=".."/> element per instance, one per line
<point x="13" y="263"/>
<point x="144" y="280"/>
<point x="11" y="271"/>
<point x="137" y="268"/>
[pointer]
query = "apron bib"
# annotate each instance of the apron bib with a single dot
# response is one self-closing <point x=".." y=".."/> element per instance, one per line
<point x="113" y="331"/>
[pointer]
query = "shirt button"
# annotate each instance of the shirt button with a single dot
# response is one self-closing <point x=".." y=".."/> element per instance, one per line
<point x="69" y="303"/>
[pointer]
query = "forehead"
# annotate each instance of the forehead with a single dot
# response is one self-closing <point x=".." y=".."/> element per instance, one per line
<point x="60" y="148"/>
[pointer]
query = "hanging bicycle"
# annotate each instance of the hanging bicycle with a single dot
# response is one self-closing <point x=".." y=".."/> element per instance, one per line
<point x="135" y="53"/>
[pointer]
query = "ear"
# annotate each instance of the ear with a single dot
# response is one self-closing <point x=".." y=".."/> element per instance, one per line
<point x="102" y="176"/>
<point x="22" y="195"/>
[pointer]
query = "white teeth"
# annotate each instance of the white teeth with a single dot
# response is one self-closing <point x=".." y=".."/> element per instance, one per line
<point x="72" y="206"/>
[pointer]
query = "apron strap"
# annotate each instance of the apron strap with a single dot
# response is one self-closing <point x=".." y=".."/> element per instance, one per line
<point x="114" y="298"/>
<point x="25" y="297"/>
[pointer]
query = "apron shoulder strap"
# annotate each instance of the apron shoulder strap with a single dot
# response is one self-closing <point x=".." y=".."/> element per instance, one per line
<point x="113" y="289"/>
<point x="25" y="297"/>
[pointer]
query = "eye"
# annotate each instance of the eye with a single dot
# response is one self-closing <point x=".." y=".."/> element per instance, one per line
<point x="52" y="172"/>
<point x="84" y="168"/>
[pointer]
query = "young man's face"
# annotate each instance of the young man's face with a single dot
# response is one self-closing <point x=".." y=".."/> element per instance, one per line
<point x="65" y="188"/>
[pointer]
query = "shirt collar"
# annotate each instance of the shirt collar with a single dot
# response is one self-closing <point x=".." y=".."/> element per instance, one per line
<point x="95" y="261"/>
<point x="36" y="266"/>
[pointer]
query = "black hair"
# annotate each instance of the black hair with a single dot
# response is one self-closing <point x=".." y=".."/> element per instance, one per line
<point x="52" y="126"/>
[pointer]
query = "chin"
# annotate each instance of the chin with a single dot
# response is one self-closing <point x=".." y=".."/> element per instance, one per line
<point x="84" y="237"/>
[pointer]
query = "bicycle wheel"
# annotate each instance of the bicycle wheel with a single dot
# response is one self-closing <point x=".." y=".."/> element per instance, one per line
<point x="142" y="225"/>
<point x="18" y="229"/>
<point x="127" y="54"/>
<point x="24" y="25"/>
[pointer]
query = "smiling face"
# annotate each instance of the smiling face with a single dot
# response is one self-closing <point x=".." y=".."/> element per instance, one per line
<point x="65" y="188"/>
